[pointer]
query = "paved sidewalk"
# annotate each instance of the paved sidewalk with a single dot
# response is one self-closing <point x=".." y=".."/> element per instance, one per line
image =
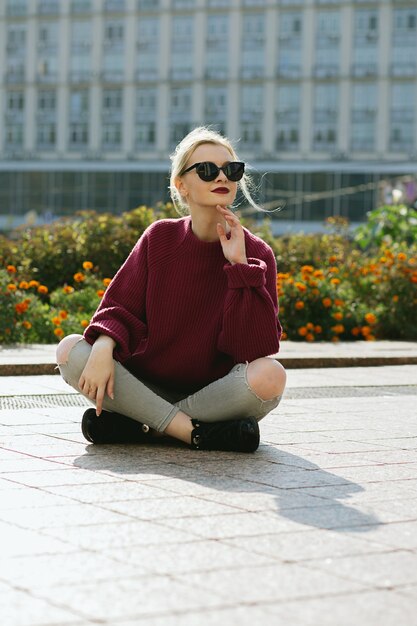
<point x="317" y="528"/>
<point x="40" y="359"/>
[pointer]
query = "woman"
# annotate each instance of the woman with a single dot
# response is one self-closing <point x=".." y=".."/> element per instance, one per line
<point x="178" y="344"/>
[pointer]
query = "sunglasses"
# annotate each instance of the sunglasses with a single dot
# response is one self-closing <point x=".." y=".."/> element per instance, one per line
<point x="209" y="171"/>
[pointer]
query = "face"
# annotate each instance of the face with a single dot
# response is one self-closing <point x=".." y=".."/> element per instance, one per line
<point x="198" y="193"/>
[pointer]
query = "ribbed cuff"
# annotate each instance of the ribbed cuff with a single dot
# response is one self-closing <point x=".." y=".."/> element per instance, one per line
<point x="251" y="274"/>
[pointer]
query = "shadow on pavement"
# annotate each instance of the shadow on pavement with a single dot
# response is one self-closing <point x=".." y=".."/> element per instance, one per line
<point x="289" y="478"/>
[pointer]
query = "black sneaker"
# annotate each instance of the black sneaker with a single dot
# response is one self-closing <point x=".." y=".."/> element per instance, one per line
<point x="113" y="428"/>
<point x="236" y="435"/>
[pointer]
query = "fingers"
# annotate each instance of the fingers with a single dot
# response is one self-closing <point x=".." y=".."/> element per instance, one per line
<point x="110" y="387"/>
<point x="99" y="400"/>
<point x="229" y="216"/>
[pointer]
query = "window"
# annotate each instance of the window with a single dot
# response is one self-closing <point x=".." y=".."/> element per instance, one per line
<point x="402" y="123"/>
<point x="365" y="45"/>
<point x="251" y="116"/>
<point x="327" y="43"/>
<point x="182" y="47"/>
<point x="146" y="117"/>
<point x="326" y="97"/>
<point x="147" y="46"/>
<point x="287" y="117"/>
<point x="215" y="108"/>
<point x="180" y="113"/>
<point x="217" y="46"/>
<point x="290" y="45"/>
<point x="363" y="116"/>
<point x="253" y="45"/>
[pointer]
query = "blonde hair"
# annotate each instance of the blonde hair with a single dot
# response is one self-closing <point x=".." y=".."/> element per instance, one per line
<point x="179" y="159"/>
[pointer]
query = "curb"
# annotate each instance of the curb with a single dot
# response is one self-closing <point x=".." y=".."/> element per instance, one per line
<point x="39" y="369"/>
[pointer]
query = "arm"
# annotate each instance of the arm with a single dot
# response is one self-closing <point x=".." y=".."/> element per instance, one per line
<point x="97" y="377"/>
<point x="251" y="328"/>
<point x="121" y="314"/>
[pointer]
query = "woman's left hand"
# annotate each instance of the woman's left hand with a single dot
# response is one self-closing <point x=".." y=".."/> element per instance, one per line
<point x="234" y="248"/>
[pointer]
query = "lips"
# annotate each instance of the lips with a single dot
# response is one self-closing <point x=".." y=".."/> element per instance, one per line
<point x="221" y="190"/>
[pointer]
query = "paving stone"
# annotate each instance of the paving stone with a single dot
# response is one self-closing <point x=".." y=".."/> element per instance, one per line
<point x="22" y="609"/>
<point x="388" y="569"/>
<point x="17" y="541"/>
<point x="273" y="583"/>
<point x="66" y="476"/>
<point x="116" y="491"/>
<point x="131" y="598"/>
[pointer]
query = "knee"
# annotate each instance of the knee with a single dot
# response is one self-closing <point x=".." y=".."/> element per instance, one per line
<point x="267" y="378"/>
<point x="64" y="348"/>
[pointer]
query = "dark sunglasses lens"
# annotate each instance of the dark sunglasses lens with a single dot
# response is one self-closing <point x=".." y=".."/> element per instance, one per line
<point x="207" y="171"/>
<point x="234" y="171"/>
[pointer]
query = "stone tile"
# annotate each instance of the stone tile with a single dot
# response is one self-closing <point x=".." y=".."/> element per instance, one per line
<point x="28" y="498"/>
<point x="190" y="556"/>
<point x="365" y="608"/>
<point x="21" y="609"/>
<point x="314" y="544"/>
<point x="129" y="534"/>
<point x="52" y="570"/>
<point x="60" y="516"/>
<point x="103" y="493"/>
<point x="57" y="477"/>
<point x="23" y="542"/>
<point x="273" y="583"/>
<point x="401" y="535"/>
<point x="169" y="507"/>
<point x="126" y="599"/>
<point x="388" y="569"/>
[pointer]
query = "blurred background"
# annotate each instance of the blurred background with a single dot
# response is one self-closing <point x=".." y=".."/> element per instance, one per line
<point x="319" y="97"/>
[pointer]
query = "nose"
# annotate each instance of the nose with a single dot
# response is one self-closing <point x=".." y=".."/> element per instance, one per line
<point x="221" y="176"/>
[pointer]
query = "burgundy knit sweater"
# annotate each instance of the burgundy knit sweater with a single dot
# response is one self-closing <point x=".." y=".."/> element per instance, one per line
<point x="182" y="315"/>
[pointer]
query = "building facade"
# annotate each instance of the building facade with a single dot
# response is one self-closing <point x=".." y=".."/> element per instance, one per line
<point x="318" y="95"/>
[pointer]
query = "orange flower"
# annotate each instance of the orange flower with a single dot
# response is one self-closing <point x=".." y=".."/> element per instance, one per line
<point x="327" y="302"/>
<point x="68" y="289"/>
<point x="11" y="269"/>
<point x="338" y="316"/>
<point x="335" y="281"/>
<point x="301" y="287"/>
<point x="11" y="287"/>
<point x="401" y="256"/>
<point x="302" y="331"/>
<point x="370" y="338"/>
<point x="21" y="307"/>
<point x="58" y="332"/>
<point x="333" y="259"/>
<point x="310" y="337"/>
<point x="312" y="282"/>
<point x="356" y="331"/>
<point x="333" y="270"/>
<point x="383" y="259"/>
<point x="42" y="289"/>
<point x="318" y="273"/>
<point x="309" y="326"/>
<point x="23" y="285"/>
<point x="335" y="338"/>
<point x="413" y="278"/>
<point x="56" y="321"/>
<point x="307" y="269"/>
<point x="318" y="329"/>
<point x="87" y="265"/>
<point x="106" y="281"/>
<point x="315" y="292"/>
<point x="284" y="336"/>
<point x="339" y="302"/>
<point x="100" y="293"/>
<point x="63" y="314"/>
<point x="395" y="298"/>
<point x="366" y="330"/>
<point x="370" y="318"/>
<point x="26" y="324"/>
<point x="84" y="323"/>
<point x="34" y="283"/>
<point x="299" y="305"/>
<point x="338" y="329"/>
<point x="79" y="277"/>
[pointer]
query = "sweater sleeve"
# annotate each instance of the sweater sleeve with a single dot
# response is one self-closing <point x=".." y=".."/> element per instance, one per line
<point x="122" y="311"/>
<point x="251" y="328"/>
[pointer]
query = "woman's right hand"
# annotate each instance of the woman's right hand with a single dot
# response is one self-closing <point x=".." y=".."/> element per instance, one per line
<point x="97" y="377"/>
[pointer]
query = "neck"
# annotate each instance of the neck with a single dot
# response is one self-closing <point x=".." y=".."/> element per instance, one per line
<point x="204" y="225"/>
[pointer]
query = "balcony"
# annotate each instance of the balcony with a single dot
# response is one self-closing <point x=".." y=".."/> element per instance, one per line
<point x="363" y="115"/>
<point x="405" y="114"/>
<point x="256" y="71"/>
<point x="80" y="6"/>
<point x="16" y="9"/>
<point x="147" y="74"/>
<point x="403" y="69"/>
<point x="362" y="145"/>
<point x="112" y="76"/>
<point x="289" y="71"/>
<point x="148" y="5"/>
<point x="362" y="70"/>
<point x="47" y="78"/>
<point x="114" y="6"/>
<point x="326" y="71"/>
<point x="48" y="7"/>
<point x="80" y="76"/>
<point x="13" y="77"/>
<point x="182" y="73"/>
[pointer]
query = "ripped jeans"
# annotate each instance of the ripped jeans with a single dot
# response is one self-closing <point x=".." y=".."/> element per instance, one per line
<point x="227" y="398"/>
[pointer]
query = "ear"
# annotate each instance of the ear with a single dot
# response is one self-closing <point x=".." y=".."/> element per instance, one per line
<point x="181" y="187"/>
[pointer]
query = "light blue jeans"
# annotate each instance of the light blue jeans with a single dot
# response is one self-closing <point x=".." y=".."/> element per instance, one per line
<point x="227" y="398"/>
